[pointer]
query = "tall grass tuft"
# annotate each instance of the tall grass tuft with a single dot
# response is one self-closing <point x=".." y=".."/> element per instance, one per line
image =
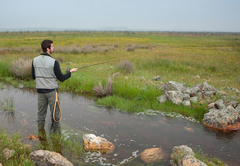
<point x="7" y="105"/>
<point x="100" y="92"/>
<point x="125" y="66"/>
<point x="21" y="68"/>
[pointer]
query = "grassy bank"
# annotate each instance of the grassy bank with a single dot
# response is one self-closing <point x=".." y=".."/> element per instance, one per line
<point x="180" y="57"/>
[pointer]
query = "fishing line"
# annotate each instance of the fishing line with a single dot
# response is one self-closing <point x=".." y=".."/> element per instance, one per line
<point x="82" y="67"/>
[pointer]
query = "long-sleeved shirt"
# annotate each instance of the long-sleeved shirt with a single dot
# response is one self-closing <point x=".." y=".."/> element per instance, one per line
<point x="57" y="71"/>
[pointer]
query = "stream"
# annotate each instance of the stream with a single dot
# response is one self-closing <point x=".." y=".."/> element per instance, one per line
<point x="130" y="133"/>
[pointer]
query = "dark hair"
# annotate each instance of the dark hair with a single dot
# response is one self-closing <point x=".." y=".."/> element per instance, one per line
<point x="46" y="44"/>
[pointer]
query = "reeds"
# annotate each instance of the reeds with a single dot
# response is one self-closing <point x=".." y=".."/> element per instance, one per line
<point x="7" y="105"/>
<point x="21" y="68"/>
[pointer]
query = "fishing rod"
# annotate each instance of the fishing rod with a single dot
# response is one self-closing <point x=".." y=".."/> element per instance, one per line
<point x="103" y="62"/>
<point x="82" y="67"/>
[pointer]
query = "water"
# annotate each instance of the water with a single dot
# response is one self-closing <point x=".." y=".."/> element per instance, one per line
<point x="130" y="133"/>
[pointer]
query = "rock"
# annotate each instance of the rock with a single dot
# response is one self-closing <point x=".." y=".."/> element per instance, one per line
<point x="91" y="142"/>
<point x="152" y="155"/>
<point x="174" y="86"/>
<point x="223" y="93"/>
<point x="211" y="105"/>
<point x="194" y="90"/>
<point x="189" y="129"/>
<point x="219" y="104"/>
<point x="232" y="103"/>
<point x="234" y="97"/>
<point x="237" y="109"/>
<point x="33" y="137"/>
<point x="157" y="78"/>
<point x="192" y="161"/>
<point x="162" y="99"/>
<point x="235" y="90"/>
<point x="46" y="158"/>
<point x="194" y="99"/>
<point x="115" y="74"/>
<point x="206" y="87"/>
<point x="210" y="93"/>
<point x="223" y="119"/>
<point x="197" y="76"/>
<point x="7" y="153"/>
<point x="175" y="96"/>
<point x="186" y="103"/>
<point x="184" y="156"/>
<point x="186" y="96"/>
<point x="20" y="86"/>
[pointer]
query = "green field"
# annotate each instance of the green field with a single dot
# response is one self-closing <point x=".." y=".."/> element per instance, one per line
<point x="190" y="58"/>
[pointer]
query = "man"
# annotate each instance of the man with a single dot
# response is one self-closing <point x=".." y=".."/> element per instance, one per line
<point x="46" y="72"/>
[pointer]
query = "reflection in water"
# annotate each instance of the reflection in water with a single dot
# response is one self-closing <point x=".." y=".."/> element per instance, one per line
<point x="55" y="138"/>
<point x="9" y="116"/>
<point x="226" y="136"/>
<point x="130" y="133"/>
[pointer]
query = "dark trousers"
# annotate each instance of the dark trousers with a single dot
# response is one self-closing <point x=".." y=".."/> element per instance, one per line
<point x="45" y="99"/>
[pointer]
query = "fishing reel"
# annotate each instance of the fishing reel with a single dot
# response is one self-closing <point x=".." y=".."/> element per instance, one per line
<point x="68" y="69"/>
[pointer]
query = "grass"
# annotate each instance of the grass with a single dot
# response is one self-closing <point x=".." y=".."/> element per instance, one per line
<point x="13" y="142"/>
<point x="173" y="56"/>
<point x="209" y="161"/>
<point x="70" y="148"/>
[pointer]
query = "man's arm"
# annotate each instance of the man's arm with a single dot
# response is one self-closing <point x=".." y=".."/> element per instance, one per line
<point x="57" y="71"/>
<point x="33" y="72"/>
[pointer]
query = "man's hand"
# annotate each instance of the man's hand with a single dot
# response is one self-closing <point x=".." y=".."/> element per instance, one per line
<point x="74" y="70"/>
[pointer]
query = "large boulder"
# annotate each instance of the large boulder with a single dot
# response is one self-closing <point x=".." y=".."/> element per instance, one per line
<point x="152" y="155"/>
<point x="222" y="119"/>
<point x="93" y="143"/>
<point x="184" y="156"/>
<point x="46" y="158"/>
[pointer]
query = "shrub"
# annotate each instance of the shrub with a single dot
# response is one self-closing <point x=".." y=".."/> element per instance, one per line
<point x="130" y="49"/>
<point x="3" y="50"/>
<point x="125" y="66"/>
<point x="21" y="68"/>
<point x="115" y="45"/>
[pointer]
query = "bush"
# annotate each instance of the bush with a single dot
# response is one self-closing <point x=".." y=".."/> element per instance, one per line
<point x="125" y="66"/>
<point x="21" y="68"/>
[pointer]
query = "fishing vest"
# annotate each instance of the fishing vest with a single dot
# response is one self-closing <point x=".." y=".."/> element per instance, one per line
<point x="44" y="72"/>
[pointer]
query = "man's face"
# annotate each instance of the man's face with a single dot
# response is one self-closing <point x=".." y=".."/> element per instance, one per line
<point x="51" y="49"/>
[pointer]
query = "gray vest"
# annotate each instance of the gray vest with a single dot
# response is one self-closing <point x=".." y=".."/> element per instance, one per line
<point x="44" y="72"/>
